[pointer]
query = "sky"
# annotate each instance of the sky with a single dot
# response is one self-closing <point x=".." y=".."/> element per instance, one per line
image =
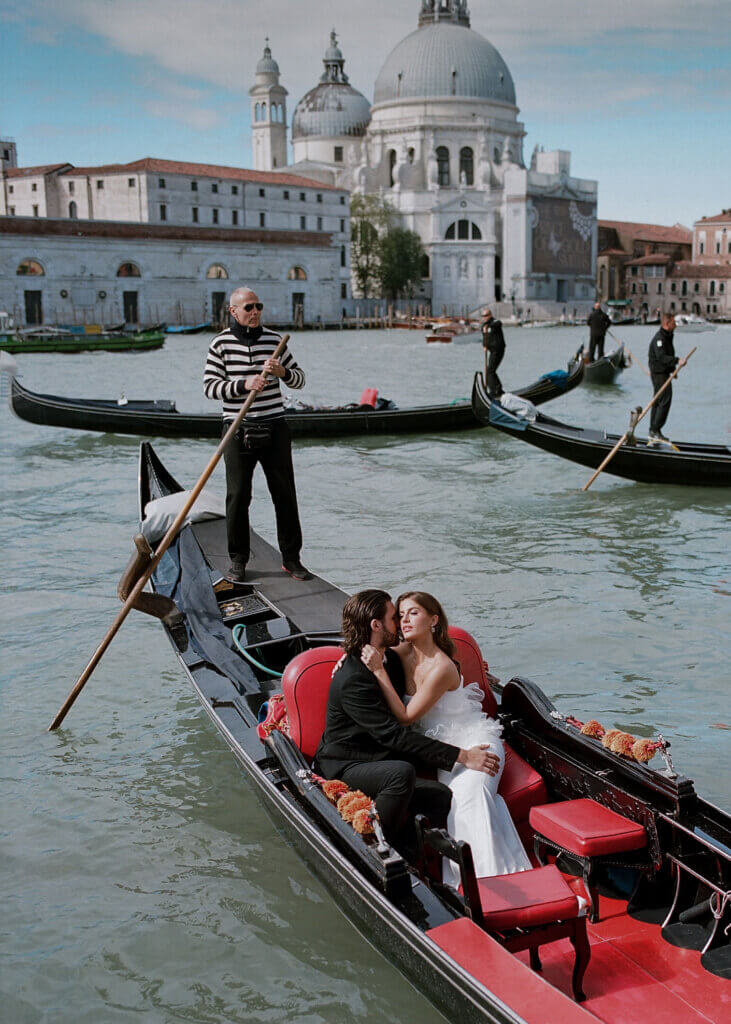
<point x="638" y="90"/>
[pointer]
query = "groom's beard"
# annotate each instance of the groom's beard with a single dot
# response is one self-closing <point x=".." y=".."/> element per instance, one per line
<point x="389" y="639"/>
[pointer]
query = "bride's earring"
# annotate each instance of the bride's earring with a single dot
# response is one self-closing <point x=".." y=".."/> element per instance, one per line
<point x="434" y="629"/>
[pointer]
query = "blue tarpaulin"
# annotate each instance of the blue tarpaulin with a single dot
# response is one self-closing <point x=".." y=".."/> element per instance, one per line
<point x="502" y="418"/>
<point x="557" y="376"/>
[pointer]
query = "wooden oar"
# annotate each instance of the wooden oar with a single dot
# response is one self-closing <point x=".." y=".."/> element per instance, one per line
<point x="161" y="549"/>
<point x="644" y="412"/>
<point x="636" y="361"/>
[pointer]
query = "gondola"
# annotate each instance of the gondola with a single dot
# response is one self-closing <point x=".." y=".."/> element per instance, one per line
<point x="190" y="328"/>
<point x="604" y="370"/>
<point x="695" y="465"/>
<point x="161" y="419"/>
<point x="644" y="960"/>
<point x="55" y="340"/>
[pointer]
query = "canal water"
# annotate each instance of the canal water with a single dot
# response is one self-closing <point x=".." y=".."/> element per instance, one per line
<point x="141" y="880"/>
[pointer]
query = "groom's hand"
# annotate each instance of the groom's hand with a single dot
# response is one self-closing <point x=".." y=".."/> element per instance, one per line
<point x="371" y="658"/>
<point x="480" y="760"/>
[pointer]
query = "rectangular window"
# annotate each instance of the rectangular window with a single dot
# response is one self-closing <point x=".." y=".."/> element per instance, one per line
<point x="338" y="157"/>
<point x="234" y="190"/>
<point x="285" y="194"/>
<point x="342" y="200"/>
<point x="659" y="287"/>
<point x="214" y="187"/>
<point x="319" y="223"/>
<point x="234" y="217"/>
<point x="644" y="288"/>
<point x="194" y="186"/>
<point x="696" y="287"/>
<point x="302" y="197"/>
<point x="11" y="189"/>
<point x="163" y="211"/>
<point x="342" y="225"/>
<point x="343" y="290"/>
<point x="161" y="183"/>
<point x="262" y="193"/>
<point x="702" y="248"/>
<point x="718" y="248"/>
<point x="34" y="187"/>
<point x="343" y="260"/>
<point x="319" y="197"/>
<point x="99" y="183"/>
<point x="303" y="223"/>
<point x="131" y="182"/>
<point x="12" y="211"/>
<point x="214" y="216"/>
<point x="72" y="187"/>
<point x="634" y="271"/>
<point x="35" y="211"/>
<point x="262" y="220"/>
<point x="195" y="214"/>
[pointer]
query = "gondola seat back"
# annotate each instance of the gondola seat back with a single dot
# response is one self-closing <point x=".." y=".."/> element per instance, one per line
<point x="473" y="667"/>
<point x="306" y="685"/>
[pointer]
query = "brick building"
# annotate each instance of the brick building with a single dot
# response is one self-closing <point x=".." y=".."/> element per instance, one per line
<point x="620" y="242"/>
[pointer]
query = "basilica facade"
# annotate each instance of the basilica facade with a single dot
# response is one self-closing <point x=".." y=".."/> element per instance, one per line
<point x="443" y="144"/>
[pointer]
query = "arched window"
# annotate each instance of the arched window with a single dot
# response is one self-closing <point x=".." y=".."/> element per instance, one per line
<point x="425" y="270"/>
<point x="391" y="165"/>
<point x="274" y="110"/>
<point x="129" y="270"/>
<point x="218" y="272"/>
<point x="466" y="165"/>
<point x="684" y="288"/>
<point x="263" y="111"/>
<point x="464" y="230"/>
<point x="442" y="165"/>
<point x="411" y="154"/>
<point x="712" y="288"/>
<point x="296" y="274"/>
<point x="496" y="155"/>
<point x="30" y="268"/>
<point x="73" y="210"/>
<point x="256" y="111"/>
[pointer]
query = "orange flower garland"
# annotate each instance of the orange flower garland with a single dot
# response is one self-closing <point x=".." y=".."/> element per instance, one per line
<point x="362" y="822"/>
<point x="334" y="789"/>
<point x="593" y="728"/>
<point x="622" y="744"/>
<point x="609" y="737"/>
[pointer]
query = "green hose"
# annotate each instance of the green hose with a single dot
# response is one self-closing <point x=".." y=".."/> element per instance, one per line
<point x="249" y="657"/>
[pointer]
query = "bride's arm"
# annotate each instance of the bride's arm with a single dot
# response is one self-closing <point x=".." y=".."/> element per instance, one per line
<point x="437" y="683"/>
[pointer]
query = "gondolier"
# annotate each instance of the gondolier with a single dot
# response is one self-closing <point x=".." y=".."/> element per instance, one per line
<point x="240" y="360"/>
<point x="493" y="342"/>
<point x="599" y="323"/>
<point x="662" y="361"/>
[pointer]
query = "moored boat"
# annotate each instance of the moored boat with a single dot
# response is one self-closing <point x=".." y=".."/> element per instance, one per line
<point x="604" y="370"/>
<point x="687" y="463"/>
<point x="54" y="339"/>
<point x="190" y="328"/>
<point x="160" y="418"/>
<point x="661" y="951"/>
<point x="691" y="323"/>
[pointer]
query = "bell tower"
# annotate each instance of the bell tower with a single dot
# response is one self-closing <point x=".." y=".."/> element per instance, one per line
<point x="268" y="115"/>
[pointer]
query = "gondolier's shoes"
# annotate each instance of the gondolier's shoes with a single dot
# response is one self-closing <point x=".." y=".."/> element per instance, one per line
<point x="236" y="571"/>
<point x="656" y="437"/>
<point x="296" y="569"/>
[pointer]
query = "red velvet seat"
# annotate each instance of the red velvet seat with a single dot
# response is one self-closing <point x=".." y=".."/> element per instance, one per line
<point x="305" y="685"/>
<point x="589" y="831"/>
<point x="526" y="899"/>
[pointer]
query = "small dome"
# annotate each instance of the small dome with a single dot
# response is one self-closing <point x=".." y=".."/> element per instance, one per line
<point x="267" y="64"/>
<point x="331" y="109"/>
<point x="444" y="59"/>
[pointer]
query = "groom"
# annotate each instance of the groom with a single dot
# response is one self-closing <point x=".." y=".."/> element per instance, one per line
<point x="364" y="745"/>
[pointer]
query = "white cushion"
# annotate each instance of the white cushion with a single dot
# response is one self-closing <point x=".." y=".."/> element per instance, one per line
<point x="160" y="514"/>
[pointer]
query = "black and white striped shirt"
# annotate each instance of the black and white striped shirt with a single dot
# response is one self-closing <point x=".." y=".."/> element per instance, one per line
<point x="233" y="355"/>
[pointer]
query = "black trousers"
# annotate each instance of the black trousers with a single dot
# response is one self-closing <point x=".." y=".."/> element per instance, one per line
<point x="399" y="796"/>
<point x="276" y="461"/>
<point x="492" y="381"/>
<point x="596" y="348"/>
<point x="661" y="408"/>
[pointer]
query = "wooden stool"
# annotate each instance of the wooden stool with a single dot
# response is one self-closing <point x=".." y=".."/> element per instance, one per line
<point x="591" y="833"/>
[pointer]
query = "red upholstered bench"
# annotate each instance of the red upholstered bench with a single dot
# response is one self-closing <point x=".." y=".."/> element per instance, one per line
<point x="591" y="833"/>
<point x="524" y="910"/>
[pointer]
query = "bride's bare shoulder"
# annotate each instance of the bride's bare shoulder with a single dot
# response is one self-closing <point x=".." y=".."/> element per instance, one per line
<point x="446" y="671"/>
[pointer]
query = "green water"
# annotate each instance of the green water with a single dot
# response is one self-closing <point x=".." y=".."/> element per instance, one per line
<point x="141" y="879"/>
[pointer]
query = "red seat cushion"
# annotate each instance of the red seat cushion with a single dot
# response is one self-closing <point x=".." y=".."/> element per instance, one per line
<point x="472" y="666"/>
<point x="306" y="684"/>
<point x="586" y="828"/>
<point x="526" y="899"/>
<point x="521" y="787"/>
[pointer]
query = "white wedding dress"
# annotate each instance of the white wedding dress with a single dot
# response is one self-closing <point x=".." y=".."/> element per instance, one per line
<point x="478" y="815"/>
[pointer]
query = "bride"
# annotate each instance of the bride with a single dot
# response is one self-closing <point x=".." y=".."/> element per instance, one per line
<point x="440" y="706"/>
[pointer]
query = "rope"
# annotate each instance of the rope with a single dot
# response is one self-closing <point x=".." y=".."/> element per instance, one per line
<point x="250" y="658"/>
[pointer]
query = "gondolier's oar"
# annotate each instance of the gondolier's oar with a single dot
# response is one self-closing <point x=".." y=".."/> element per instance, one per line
<point x="161" y="549"/>
<point x="644" y="412"/>
<point x="638" y="363"/>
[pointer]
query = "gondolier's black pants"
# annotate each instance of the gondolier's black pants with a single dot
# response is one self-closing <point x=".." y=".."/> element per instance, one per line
<point x="661" y="408"/>
<point x="492" y="381"/>
<point x="596" y="348"/>
<point x="399" y="796"/>
<point x="275" y="459"/>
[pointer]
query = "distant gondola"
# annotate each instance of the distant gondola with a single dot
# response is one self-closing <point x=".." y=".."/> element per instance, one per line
<point x="243" y="638"/>
<point x="696" y="465"/>
<point x="189" y="328"/>
<point x="161" y="419"/>
<point x="604" y="370"/>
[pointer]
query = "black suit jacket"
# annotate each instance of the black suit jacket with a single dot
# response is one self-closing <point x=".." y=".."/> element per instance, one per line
<point x="360" y="726"/>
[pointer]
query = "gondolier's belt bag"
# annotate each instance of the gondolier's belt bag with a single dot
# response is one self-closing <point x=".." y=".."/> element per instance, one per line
<point x="255" y="435"/>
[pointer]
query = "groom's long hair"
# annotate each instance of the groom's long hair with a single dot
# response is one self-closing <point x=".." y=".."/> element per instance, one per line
<point x="358" y="611"/>
<point x="441" y="630"/>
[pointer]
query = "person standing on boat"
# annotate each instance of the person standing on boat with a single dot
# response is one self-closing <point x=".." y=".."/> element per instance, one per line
<point x="599" y="323"/>
<point x="364" y="745"/>
<point x="493" y="342"/>
<point x="662" y="361"/>
<point x="240" y="360"/>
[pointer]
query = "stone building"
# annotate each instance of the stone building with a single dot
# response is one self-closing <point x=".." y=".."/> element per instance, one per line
<point x="712" y="240"/>
<point x="443" y="144"/>
<point x="620" y="242"/>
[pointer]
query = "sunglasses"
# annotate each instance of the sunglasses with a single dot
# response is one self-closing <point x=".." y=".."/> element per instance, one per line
<point x="253" y="305"/>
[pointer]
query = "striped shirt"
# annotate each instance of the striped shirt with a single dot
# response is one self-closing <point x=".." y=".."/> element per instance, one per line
<point x="230" y="358"/>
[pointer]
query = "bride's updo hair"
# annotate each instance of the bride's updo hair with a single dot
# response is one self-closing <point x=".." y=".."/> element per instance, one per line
<point x="441" y="630"/>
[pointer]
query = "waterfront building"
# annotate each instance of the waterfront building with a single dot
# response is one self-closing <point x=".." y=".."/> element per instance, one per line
<point x="712" y="240"/>
<point x="443" y="144"/>
<point x="623" y="242"/>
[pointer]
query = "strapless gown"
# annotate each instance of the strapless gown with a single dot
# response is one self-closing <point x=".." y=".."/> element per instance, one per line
<point x="478" y="815"/>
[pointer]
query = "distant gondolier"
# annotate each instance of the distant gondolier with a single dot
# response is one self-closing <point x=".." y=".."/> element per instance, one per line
<point x="662" y="361"/>
<point x="599" y="323"/>
<point x="239" y="359"/>
<point x="493" y="342"/>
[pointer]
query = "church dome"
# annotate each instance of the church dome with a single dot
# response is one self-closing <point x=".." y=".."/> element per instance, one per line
<point x="444" y="58"/>
<point x="333" y="108"/>
<point x="267" y="65"/>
